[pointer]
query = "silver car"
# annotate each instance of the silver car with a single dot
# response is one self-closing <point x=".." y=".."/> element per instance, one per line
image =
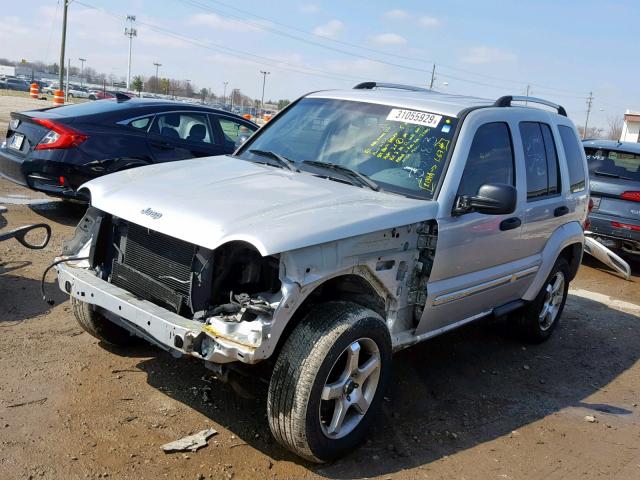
<point x="354" y="224"/>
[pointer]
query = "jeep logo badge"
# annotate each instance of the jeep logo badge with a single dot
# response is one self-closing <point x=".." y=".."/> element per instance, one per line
<point x="151" y="213"/>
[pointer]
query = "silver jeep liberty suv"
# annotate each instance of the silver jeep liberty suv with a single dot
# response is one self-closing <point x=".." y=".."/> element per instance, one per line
<point x="354" y="224"/>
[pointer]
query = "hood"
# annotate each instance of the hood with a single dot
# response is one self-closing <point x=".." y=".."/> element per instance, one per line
<point x="214" y="200"/>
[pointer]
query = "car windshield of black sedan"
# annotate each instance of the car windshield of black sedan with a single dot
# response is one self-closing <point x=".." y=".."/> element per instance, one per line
<point x="402" y="150"/>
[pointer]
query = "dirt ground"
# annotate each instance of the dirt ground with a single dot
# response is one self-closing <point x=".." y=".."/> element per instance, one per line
<point x="472" y="404"/>
<point x="17" y="101"/>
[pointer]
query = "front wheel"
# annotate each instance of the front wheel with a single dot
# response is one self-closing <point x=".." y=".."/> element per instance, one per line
<point x="97" y="325"/>
<point x="540" y="317"/>
<point x="329" y="381"/>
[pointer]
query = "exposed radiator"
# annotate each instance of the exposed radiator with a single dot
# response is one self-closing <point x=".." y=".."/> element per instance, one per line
<point x="155" y="267"/>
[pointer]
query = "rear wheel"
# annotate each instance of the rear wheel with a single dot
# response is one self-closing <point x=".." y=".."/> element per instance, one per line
<point x="540" y="317"/>
<point x="329" y="381"/>
<point x="97" y="325"/>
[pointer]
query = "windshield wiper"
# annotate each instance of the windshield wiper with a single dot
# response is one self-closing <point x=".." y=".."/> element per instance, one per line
<point x="281" y="159"/>
<point x="612" y="175"/>
<point x="362" y="179"/>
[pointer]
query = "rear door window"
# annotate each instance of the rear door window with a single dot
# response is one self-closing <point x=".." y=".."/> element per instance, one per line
<point x="573" y="152"/>
<point x="541" y="160"/>
<point x="183" y="127"/>
<point x="490" y="159"/>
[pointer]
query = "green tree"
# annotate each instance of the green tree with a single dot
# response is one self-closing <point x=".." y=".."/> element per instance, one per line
<point x="137" y="84"/>
<point x="165" y="84"/>
<point x="204" y="93"/>
<point x="283" y="103"/>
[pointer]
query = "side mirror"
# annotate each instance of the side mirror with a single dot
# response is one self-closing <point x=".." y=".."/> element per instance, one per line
<point x="492" y="199"/>
<point x="35" y="237"/>
<point x="240" y="140"/>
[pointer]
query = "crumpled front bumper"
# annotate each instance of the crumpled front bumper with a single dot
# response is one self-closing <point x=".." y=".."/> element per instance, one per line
<point x="168" y="330"/>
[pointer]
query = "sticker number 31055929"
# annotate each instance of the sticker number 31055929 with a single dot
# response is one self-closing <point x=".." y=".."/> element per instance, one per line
<point x="412" y="116"/>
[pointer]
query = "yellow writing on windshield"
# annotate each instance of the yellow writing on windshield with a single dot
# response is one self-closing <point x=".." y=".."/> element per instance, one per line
<point x="418" y="148"/>
<point x="396" y="142"/>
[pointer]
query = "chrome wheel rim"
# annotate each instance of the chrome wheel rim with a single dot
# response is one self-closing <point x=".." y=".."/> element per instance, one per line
<point x="349" y="388"/>
<point x="552" y="302"/>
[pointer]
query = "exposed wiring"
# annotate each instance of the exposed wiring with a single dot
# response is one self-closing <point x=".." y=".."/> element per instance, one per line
<point x="44" y="275"/>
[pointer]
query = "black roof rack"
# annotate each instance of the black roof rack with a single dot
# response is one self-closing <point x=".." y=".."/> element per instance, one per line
<point x="507" y="99"/>
<point x="372" y="85"/>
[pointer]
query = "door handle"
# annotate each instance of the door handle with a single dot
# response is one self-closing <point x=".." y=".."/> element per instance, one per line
<point x="560" y="211"/>
<point x="162" y="145"/>
<point x="510" y="223"/>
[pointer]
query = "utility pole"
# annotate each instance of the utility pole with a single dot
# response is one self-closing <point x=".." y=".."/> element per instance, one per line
<point x="264" y="80"/>
<point x="64" y="40"/>
<point x="66" y="90"/>
<point x="586" y="122"/>
<point x="224" y="95"/>
<point x="82" y="60"/>
<point x="433" y="76"/>
<point x="130" y="32"/>
<point x="527" y="94"/>
<point x="158" y="65"/>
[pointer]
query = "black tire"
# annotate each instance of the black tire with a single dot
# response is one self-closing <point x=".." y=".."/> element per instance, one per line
<point x="312" y="352"/>
<point x="97" y="325"/>
<point x="530" y="327"/>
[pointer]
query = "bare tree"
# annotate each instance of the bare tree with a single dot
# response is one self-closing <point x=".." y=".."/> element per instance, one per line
<point x="592" y="132"/>
<point x="615" y="127"/>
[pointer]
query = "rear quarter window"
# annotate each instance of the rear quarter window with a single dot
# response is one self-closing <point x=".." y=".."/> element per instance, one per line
<point x="573" y="152"/>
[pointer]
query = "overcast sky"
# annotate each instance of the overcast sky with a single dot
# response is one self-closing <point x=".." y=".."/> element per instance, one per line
<point x="563" y="49"/>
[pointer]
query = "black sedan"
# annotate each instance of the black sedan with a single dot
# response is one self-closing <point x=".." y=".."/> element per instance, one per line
<point x="55" y="150"/>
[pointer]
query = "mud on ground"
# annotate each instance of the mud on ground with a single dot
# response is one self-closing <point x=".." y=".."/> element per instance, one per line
<point x="473" y="404"/>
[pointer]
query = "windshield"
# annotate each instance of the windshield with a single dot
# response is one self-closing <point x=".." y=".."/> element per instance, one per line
<point x="613" y="163"/>
<point x="401" y="150"/>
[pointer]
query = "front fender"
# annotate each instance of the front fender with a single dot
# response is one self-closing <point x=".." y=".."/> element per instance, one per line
<point x="566" y="235"/>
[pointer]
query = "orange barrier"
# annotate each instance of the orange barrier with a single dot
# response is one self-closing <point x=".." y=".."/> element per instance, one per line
<point x="33" y="91"/>
<point x="58" y="97"/>
<point x="267" y="118"/>
<point x="247" y="116"/>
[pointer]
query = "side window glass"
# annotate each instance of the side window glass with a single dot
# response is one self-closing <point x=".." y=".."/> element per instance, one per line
<point x="541" y="160"/>
<point x="140" y="123"/>
<point x="186" y="126"/>
<point x="573" y="153"/>
<point x="490" y="159"/>
<point x="535" y="159"/>
<point x="232" y="130"/>
<point x="555" y="185"/>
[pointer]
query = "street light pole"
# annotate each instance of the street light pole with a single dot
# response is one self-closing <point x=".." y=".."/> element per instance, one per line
<point x="130" y="32"/>
<point x="264" y="80"/>
<point x="224" y="95"/>
<point x="82" y="60"/>
<point x="158" y="65"/>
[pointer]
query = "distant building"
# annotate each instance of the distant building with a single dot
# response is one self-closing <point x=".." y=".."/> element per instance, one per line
<point x="7" y="70"/>
<point x="631" y="127"/>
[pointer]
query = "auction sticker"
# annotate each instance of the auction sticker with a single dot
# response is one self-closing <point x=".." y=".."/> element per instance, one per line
<point x="413" y="116"/>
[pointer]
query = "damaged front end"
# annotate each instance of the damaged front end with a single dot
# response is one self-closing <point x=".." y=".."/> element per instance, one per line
<point x="217" y="305"/>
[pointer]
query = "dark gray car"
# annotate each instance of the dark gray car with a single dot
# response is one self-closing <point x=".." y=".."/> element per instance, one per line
<point x="614" y="169"/>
